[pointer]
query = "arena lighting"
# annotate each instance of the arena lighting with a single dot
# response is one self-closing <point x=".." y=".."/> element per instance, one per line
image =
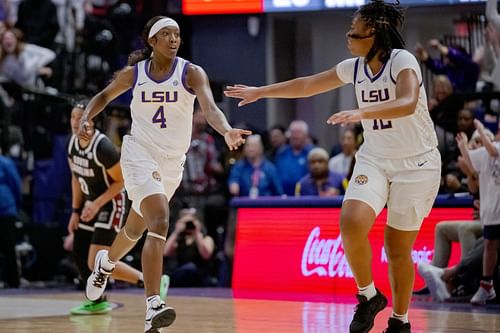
<point x="203" y="7"/>
<point x="207" y="7"/>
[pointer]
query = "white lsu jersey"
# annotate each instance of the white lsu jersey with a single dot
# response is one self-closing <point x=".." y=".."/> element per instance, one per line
<point x="162" y="110"/>
<point x="390" y="138"/>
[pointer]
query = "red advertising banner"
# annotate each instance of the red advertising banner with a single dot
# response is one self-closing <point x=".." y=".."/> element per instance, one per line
<point x="300" y="250"/>
<point x="205" y="7"/>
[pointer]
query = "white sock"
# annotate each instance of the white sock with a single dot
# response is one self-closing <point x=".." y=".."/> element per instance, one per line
<point x="369" y="291"/>
<point x="403" y="317"/>
<point x="106" y="263"/>
<point x="153" y="301"/>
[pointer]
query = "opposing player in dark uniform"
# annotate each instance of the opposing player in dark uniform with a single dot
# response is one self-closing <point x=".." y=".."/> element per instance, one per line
<point x="98" y="203"/>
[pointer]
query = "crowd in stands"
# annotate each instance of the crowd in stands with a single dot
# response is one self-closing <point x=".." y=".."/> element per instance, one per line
<point x="283" y="160"/>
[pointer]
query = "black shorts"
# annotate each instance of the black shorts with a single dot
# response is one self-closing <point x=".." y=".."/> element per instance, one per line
<point x="491" y="231"/>
<point x="105" y="226"/>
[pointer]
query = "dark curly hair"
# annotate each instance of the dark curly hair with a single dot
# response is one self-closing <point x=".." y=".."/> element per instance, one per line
<point x="386" y="19"/>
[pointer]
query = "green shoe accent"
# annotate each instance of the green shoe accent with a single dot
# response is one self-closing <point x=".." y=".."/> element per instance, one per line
<point x="92" y="308"/>
<point x="164" y="284"/>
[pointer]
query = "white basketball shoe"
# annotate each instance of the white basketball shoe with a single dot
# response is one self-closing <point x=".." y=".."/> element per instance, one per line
<point x="158" y="315"/>
<point x="96" y="283"/>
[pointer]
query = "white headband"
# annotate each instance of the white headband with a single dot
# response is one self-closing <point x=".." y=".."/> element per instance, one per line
<point x="160" y="24"/>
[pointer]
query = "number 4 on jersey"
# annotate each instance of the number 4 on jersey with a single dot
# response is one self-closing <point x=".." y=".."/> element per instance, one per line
<point x="159" y="117"/>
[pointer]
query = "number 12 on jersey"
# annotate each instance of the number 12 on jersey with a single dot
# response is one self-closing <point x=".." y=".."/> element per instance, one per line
<point x="159" y="117"/>
<point x="380" y="124"/>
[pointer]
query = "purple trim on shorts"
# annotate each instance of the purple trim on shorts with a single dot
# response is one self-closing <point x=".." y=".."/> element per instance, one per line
<point x="184" y="83"/>
<point x="172" y="70"/>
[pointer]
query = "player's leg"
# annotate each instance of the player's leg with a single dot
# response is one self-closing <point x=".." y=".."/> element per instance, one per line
<point x="365" y="198"/>
<point x="413" y="189"/>
<point x="486" y="291"/>
<point x="82" y="240"/>
<point x="99" y="261"/>
<point x="356" y="221"/>
<point x="102" y="240"/>
<point x="156" y="216"/>
<point x="398" y="246"/>
<point x="128" y="236"/>
<point x="108" y="257"/>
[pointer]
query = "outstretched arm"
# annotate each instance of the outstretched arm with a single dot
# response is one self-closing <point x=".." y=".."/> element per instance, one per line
<point x="464" y="150"/>
<point x="407" y="91"/>
<point x="300" y="87"/>
<point x="121" y="83"/>
<point x="488" y="145"/>
<point x="197" y="79"/>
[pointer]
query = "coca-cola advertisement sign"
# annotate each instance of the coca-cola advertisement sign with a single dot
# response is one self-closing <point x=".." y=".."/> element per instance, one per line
<point x="324" y="257"/>
<point x="300" y="250"/>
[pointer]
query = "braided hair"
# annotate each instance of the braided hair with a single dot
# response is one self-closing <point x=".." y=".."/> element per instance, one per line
<point x="386" y="19"/>
<point x="144" y="53"/>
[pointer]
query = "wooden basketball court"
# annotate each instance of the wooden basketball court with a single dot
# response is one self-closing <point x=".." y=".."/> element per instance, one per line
<point x="48" y="312"/>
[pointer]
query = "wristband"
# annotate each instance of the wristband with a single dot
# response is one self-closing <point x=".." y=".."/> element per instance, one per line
<point x="76" y="210"/>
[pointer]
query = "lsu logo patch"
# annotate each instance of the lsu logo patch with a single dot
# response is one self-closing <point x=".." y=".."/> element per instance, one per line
<point x="156" y="176"/>
<point x="361" y="179"/>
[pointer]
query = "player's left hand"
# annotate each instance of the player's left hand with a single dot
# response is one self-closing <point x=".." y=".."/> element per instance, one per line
<point x="345" y="117"/>
<point x="89" y="211"/>
<point x="234" y="137"/>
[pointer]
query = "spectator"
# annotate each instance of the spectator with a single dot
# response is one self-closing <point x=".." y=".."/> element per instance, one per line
<point x="492" y="39"/>
<point x="459" y="280"/>
<point x="21" y="62"/>
<point x="455" y="63"/>
<point x="454" y="179"/>
<point x="486" y="56"/>
<point x="10" y="194"/>
<point x="485" y="162"/>
<point x="291" y="161"/>
<point x="277" y="139"/>
<point x="254" y="175"/>
<point x="71" y="18"/>
<point x="201" y="166"/>
<point x="341" y="162"/>
<point x="320" y="181"/>
<point x="37" y="19"/>
<point x="444" y="108"/>
<point x="465" y="232"/>
<point x="192" y="249"/>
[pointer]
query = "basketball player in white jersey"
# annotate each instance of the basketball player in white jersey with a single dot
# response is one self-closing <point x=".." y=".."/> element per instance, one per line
<point x="398" y="164"/>
<point x="164" y="89"/>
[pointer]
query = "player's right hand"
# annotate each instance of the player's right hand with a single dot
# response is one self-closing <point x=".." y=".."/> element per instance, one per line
<point x="245" y="93"/>
<point x="73" y="222"/>
<point x="84" y="130"/>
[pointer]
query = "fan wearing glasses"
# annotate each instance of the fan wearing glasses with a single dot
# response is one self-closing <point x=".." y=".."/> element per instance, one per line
<point x="398" y="163"/>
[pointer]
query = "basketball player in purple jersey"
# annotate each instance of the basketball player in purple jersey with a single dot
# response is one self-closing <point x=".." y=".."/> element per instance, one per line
<point x="164" y="88"/>
<point x="398" y="163"/>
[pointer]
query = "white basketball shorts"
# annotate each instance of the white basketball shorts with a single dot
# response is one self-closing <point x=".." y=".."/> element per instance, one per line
<point x="408" y="186"/>
<point x="147" y="172"/>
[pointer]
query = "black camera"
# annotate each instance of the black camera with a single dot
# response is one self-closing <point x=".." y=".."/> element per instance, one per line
<point x="190" y="225"/>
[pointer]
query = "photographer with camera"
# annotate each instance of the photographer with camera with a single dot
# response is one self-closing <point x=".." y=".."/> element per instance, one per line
<point x="192" y="250"/>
